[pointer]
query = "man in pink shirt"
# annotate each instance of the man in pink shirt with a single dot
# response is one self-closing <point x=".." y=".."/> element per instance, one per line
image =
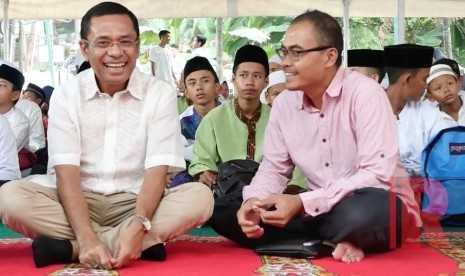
<point x="337" y="126"/>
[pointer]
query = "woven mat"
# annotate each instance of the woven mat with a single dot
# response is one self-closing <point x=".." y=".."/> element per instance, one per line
<point x="450" y="244"/>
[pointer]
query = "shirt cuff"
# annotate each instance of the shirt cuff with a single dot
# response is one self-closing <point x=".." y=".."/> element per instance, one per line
<point x="314" y="202"/>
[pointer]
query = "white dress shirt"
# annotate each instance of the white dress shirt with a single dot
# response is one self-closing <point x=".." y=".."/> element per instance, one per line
<point x="20" y="126"/>
<point x="113" y="139"/>
<point x="36" y="125"/>
<point x="9" y="165"/>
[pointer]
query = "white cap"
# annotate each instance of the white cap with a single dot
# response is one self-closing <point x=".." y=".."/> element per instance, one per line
<point x="439" y="70"/>
<point x="275" y="59"/>
<point x="276" y="77"/>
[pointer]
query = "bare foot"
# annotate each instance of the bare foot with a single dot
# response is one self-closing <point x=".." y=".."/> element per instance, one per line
<point x="348" y="253"/>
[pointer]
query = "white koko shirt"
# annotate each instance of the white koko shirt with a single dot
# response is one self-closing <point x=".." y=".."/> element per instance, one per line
<point x="113" y="139"/>
<point x="36" y="127"/>
<point x="19" y="123"/>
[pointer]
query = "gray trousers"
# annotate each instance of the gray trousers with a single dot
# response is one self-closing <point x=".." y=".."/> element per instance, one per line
<point x="32" y="210"/>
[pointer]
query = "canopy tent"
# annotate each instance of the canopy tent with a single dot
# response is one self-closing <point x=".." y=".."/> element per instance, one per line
<point x="68" y="9"/>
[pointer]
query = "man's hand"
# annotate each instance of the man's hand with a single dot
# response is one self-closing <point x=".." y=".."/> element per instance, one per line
<point x="249" y="219"/>
<point x="208" y="178"/>
<point x="95" y="253"/>
<point x="278" y="210"/>
<point x="169" y="179"/>
<point x="129" y="245"/>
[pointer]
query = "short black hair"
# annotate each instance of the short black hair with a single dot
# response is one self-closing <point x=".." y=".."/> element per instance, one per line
<point x="106" y="8"/>
<point x="394" y="73"/>
<point x="328" y="30"/>
<point x="162" y="33"/>
<point x="202" y="39"/>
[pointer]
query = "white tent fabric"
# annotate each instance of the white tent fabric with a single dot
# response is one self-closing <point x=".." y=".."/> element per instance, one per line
<point x="69" y="9"/>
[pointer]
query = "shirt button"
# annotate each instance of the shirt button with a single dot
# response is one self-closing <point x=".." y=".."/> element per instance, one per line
<point x="324" y="140"/>
<point x="317" y="210"/>
<point x="327" y="164"/>
<point x="322" y="115"/>
<point x="382" y="155"/>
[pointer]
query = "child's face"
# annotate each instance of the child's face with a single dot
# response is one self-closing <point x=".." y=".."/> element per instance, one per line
<point x="444" y="89"/>
<point x="7" y="95"/>
<point x="274" y="91"/>
<point x="250" y="80"/>
<point x="201" y="87"/>
<point x="29" y="95"/>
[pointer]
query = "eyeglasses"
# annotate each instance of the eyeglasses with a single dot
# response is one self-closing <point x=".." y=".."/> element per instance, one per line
<point x="295" y="54"/>
<point x="125" y="44"/>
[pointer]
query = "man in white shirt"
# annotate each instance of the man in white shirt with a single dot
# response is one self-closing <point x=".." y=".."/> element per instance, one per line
<point x="9" y="166"/>
<point x="113" y="137"/>
<point x="161" y="58"/>
<point x="407" y="67"/>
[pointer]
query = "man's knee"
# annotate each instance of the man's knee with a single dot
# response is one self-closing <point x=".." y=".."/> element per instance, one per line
<point x="199" y="197"/>
<point x="9" y="201"/>
<point x="365" y="211"/>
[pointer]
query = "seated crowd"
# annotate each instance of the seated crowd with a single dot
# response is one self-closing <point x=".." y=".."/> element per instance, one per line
<point x="114" y="151"/>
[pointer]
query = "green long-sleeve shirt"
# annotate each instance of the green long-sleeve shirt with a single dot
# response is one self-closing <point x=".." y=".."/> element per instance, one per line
<point x="222" y="136"/>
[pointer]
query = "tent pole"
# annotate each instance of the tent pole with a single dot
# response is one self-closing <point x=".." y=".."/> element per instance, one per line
<point x="346" y="33"/>
<point x="399" y="22"/>
<point x="48" y="38"/>
<point x="6" y="30"/>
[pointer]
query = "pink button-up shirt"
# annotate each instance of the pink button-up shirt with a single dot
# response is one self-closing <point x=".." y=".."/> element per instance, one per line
<point x="349" y="144"/>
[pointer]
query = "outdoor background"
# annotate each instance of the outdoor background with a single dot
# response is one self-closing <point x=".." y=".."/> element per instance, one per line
<point x="42" y="48"/>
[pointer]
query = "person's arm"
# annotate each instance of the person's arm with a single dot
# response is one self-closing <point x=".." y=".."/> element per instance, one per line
<point x="8" y="152"/>
<point x="130" y="242"/>
<point x="36" y="134"/>
<point x="152" y="67"/>
<point x="21" y="132"/>
<point x="276" y="167"/>
<point x="152" y="60"/>
<point x="205" y="154"/>
<point x="174" y="76"/>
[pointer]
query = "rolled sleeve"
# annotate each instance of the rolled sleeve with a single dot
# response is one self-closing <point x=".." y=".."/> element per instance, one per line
<point x="63" y="134"/>
<point x="163" y="135"/>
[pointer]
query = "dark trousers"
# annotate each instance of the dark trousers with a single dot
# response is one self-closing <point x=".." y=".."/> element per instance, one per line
<point x="363" y="219"/>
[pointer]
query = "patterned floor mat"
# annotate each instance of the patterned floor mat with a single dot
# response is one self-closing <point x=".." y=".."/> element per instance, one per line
<point x="450" y="244"/>
<point x="282" y="266"/>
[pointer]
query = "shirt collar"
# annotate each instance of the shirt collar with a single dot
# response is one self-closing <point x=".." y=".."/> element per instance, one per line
<point x="334" y="89"/>
<point x="134" y="84"/>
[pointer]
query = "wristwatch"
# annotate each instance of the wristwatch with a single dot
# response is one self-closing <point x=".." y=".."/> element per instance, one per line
<point x="145" y="222"/>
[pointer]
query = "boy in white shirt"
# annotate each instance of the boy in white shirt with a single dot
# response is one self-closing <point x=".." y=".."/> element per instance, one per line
<point x="11" y="83"/>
